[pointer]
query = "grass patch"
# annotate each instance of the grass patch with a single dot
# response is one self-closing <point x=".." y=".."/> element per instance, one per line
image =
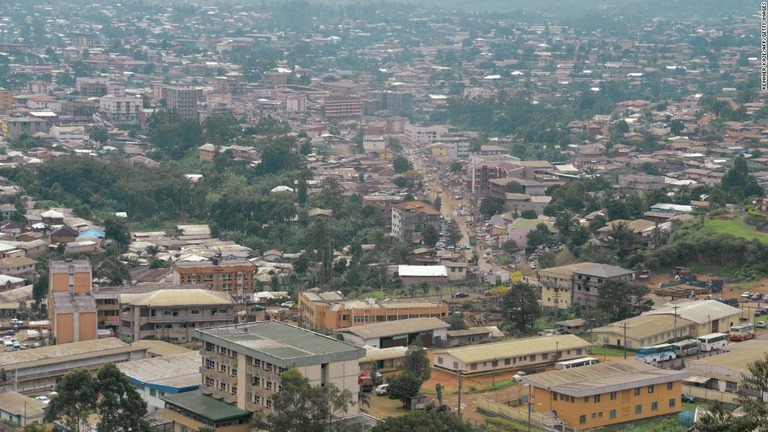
<point x="503" y="424"/>
<point x="735" y="227"/>
<point x="610" y="351"/>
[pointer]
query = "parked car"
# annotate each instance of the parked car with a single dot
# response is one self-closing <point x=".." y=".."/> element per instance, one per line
<point x="746" y="295"/>
<point x="760" y="324"/>
<point x="43" y="399"/>
<point x="288" y="304"/>
<point x="757" y="296"/>
<point x="688" y="398"/>
<point x="382" y="390"/>
<point x="518" y="376"/>
<point x="461" y="294"/>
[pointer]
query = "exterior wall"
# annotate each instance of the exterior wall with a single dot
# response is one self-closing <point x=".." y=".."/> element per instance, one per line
<point x="585" y="287"/>
<point x="63" y="331"/>
<point x="6" y="101"/>
<point x="456" y="273"/>
<point x="232" y="278"/>
<point x="176" y="324"/>
<point x="608" y="408"/>
<point x="86" y="326"/>
<point x="556" y="290"/>
<point x="182" y="423"/>
<point x="448" y="361"/>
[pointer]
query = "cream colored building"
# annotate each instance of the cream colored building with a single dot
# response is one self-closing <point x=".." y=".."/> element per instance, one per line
<point x="557" y="285"/>
<point x="173" y="314"/>
<point x="512" y="354"/>
<point x="242" y="364"/>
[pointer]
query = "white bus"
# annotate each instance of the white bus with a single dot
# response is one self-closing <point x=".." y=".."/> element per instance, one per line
<point x="584" y="361"/>
<point x="687" y="347"/>
<point x="713" y="341"/>
<point x="656" y="353"/>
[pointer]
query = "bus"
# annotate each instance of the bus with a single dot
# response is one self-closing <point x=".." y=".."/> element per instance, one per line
<point x="584" y="361"/>
<point x="741" y="332"/>
<point x="714" y="341"/>
<point x="656" y="353"/>
<point x="687" y="347"/>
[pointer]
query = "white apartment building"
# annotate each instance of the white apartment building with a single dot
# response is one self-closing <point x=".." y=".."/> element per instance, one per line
<point x="123" y="109"/>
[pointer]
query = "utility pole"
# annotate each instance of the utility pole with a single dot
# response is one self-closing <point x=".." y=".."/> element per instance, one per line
<point x="624" y="325"/>
<point x="676" y="308"/>
<point x="460" y="383"/>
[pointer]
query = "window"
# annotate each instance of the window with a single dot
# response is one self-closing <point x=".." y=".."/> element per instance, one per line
<point x="269" y="403"/>
<point x="554" y="396"/>
<point x="269" y="385"/>
<point x="210" y="364"/>
<point x="222" y="386"/>
<point x="233" y="390"/>
<point x="507" y="362"/>
<point x="669" y="386"/>
<point x="650" y="389"/>
<point x="233" y="372"/>
<point x="257" y="363"/>
<point x="637" y="391"/>
<point x="545" y="356"/>
<point x="582" y="419"/>
<point x="597" y="398"/>
<point x="223" y="368"/>
<point x="257" y="399"/>
<point x="638" y="409"/>
<point x="255" y="381"/>
<point x="672" y="403"/>
<point x="152" y="392"/>
<point x="586" y="399"/>
<point x="209" y="382"/>
<point x="654" y="406"/>
<point x="473" y="366"/>
<point x="612" y="414"/>
<point x="594" y="415"/>
<point x="613" y="395"/>
<point x="439" y="360"/>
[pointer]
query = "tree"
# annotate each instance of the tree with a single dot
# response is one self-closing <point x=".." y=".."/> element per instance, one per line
<point x="404" y="387"/>
<point x="300" y="407"/>
<point x="98" y="134"/>
<point x="113" y="270"/>
<point x="520" y="306"/>
<point x="456" y="322"/>
<point x="426" y="421"/>
<point x="453" y="234"/>
<point x="510" y="247"/>
<point x="622" y="299"/>
<point x="119" y="405"/>
<point x="540" y="236"/>
<point x="456" y="167"/>
<point x="430" y="236"/>
<point x="676" y="127"/>
<point x="416" y="362"/>
<point x="491" y="205"/>
<point x="400" y="164"/>
<point x="528" y="214"/>
<point x="4" y="377"/>
<point x="75" y="402"/>
<point x="117" y="230"/>
<point x="737" y="181"/>
<point x="621" y="240"/>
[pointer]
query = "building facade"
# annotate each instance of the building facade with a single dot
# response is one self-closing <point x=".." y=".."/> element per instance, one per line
<point x="173" y="314"/>
<point x="123" y="109"/>
<point x="230" y="276"/>
<point x="242" y="365"/>
<point x="71" y="305"/>
<point x="410" y="218"/>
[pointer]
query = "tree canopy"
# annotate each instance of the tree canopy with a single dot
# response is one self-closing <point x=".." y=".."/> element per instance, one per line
<point x="520" y="306"/>
<point x="426" y="421"/>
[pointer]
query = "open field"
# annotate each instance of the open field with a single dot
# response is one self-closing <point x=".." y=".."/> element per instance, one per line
<point x="736" y="227"/>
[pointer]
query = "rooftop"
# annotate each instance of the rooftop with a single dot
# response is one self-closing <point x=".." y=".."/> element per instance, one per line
<point x="422" y="271"/>
<point x="732" y="363"/>
<point x="176" y="370"/>
<point x="280" y="343"/>
<point x="406" y="326"/>
<point x="605" y="271"/>
<point x="211" y="409"/>
<point x="63" y="353"/>
<point x="515" y="348"/>
<point x="20" y="405"/>
<point x="698" y="311"/>
<point x="644" y="326"/>
<point x="603" y="378"/>
<point x="177" y="297"/>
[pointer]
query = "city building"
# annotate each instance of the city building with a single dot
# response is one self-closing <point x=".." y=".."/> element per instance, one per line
<point x="342" y="107"/>
<point x="410" y="218"/>
<point x="382" y="359"/>
<point x="231" y="276"/>
<point x="122" y="109"/>
<point x="587" y="281"/>
<point x="641" y="330"/>
<point x="91" y="86"/>
<point x="242" y="364"/>
<point x="6" y="101"/>
<point x="183" y="99"/>
<point x="707" y="316"/>
<point x="641" y="183"/>
<point x="482" y="169"/>
<point x="71" y="305"/>
<point x="384" y="203"/>
<point x="431" y="331"/>
<point x="374" y="144"/>
<point x="157" y="377"/>
<point x="19" y="409"/>
<point x="206" y="152"/>
<point x="606" y="394"/>
<point x="521" y="354"/>
<point x="193" y="411"/>
<point x="717" y="378"/>
<point x="38" y="370"/>
<point x="411" y="275"/>
<point x="329" y="311"/>
<point x="173" y="314"/>
<point x="14" y="127"/>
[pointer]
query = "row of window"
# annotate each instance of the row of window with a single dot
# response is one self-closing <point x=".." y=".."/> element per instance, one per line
<point x="382" y="318"/>
<point x="612" y="395"/>
<point x="638" y="411"/>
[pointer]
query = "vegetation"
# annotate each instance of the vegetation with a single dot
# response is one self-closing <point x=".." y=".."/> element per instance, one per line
<point x="520" y="307"/>
<point x="426" y="421"/>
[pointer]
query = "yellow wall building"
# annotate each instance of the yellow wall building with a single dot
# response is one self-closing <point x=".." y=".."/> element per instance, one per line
<point x="605" y="394"/>
<point x="70" y="302"/>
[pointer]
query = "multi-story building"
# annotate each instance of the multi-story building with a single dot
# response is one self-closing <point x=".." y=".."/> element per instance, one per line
<point x="481" y="169"/>
<point x="183" y="99"/>
<point x="6" y="101"/>
<point x="577" y="283"/>
<point x="231" y="276"/>
<point x="156" y="377"/>
<point x="39" y="87"/>
<point x="173" y="314"/>
<point x="91" y="86"/>
<point x="14" y="127"/>
<point x="606" y="394"/>
<point x="424" y="134"/>
<point x="375" y="143"/>
<point x="242" y="364"/>
<point x="329" y="311"/>
<point x="410" y="218"/>
<point x="342" y="107"/>
<point x="71" y="305"/>
<point x="641" y="183"/>
<point x="384" y="203"/>
<point x="123" y="109"/>
<point x="231" y="84"/>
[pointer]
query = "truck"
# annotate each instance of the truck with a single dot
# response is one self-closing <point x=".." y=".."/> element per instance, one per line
<point x="365" y="381"/>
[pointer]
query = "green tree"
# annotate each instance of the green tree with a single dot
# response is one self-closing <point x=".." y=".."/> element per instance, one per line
<point x="520" y="306"/>
<point x="676" y="127"/>
<point x="541" y="236"/>
<point x="416" y="362"/>
<point x="491" y="205"/>
<point x="114" y="271"/>
<point x="98" y="134"/>
<point x="426" y="421"/>
<point x="220" y="129"/>
<point x="622" y="299"/>
<point x="400" y="164"/>
<point x="172" y="136"/>
<point x="430" y="236"/>
<point x="75" y="402"/>
<point x="737" y="181"/>
<point x="300" y="407"/>
<point x="116" y="229"/>
<point x="404" y="387"/>
<point x="528" y="214"/>
<point x="456" y="167"/>
<point x="621" y="240"/>
<point x="456" y="322"/>
<point x="510" y="247"/>
<point x="119" y="405"/>
<point x="453" y="234"/>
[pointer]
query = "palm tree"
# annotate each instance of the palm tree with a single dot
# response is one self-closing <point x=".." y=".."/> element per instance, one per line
<point x="153" y="250"/>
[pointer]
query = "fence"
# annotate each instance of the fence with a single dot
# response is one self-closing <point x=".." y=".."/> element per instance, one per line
<point x="710" y="395"/>
<point x="513" y="413"/>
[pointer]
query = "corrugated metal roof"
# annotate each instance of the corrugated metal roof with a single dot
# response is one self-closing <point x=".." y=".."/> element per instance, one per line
<point x="177" y="370"/>
<point x="422" y="271"/>
<point x="20" y="405"/>
<point x="698" y="311"/>
<point x="732" y="363"/>
<point x="177" y="297"/>
<point x="644" y="326"/>
<point x="379" y="354"/>
<point x="603" y="378"/>
<point x="515" y="348"/>
<point x="207" y="407"/>
<point x="391" y="328"/>
<point x="59" y="352"/>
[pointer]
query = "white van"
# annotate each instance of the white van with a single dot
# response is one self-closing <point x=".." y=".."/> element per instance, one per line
<point x="8" y="345"/>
